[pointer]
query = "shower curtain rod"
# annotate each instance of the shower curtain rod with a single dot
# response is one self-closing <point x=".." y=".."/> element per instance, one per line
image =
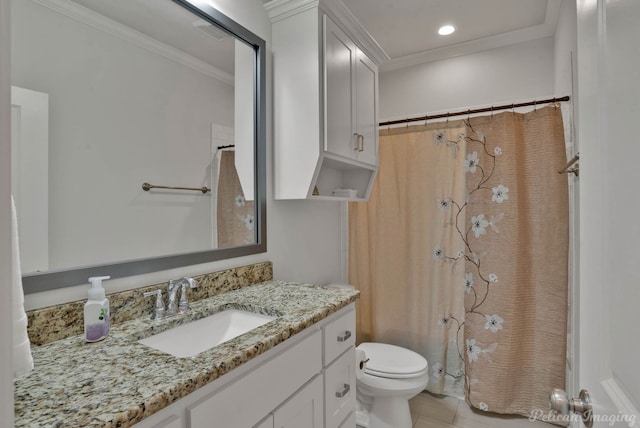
<point x="474" y="111"/>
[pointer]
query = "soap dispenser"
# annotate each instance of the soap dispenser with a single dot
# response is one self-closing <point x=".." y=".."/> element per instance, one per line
<point x="96" y="311"/>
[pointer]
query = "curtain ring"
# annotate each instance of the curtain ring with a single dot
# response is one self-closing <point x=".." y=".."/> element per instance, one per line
<point x="535" y="107"/>
<point x="492" y="112"/>
<point x="512" y="107"/>
<point x="447" y="118"/>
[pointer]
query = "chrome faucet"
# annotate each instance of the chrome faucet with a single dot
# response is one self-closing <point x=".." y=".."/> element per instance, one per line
<point x="159" y="312"/>
<point x="183" y="306"/>
<point x="172" y="289"/>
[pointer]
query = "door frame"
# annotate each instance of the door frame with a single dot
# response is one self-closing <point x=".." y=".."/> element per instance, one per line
<point x="593" y="306"/>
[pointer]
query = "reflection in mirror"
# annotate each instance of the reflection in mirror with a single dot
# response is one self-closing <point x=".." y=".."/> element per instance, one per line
<point x="108" y="95"/>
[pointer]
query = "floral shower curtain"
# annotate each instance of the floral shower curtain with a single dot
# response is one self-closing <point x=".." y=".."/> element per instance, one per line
<point x="517" y="239"/>
<point x="501" y="243"/>
<point x="235" y="215"/>
<point x="394" y="257"/>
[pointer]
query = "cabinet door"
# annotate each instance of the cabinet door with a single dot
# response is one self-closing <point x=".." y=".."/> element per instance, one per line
<point x="246" y="400"/>
<point x="366" y="109"/>
<point x="266" y="423"/>
<point x="339" y="60"/>
<point x="171" y="422"/>
<point x="340" y="389"/>
<point x="303" y="409"/>
<point x="350" y="422"/>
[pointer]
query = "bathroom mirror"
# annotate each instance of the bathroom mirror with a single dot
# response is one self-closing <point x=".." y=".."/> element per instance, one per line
<point x="110" y="95"/>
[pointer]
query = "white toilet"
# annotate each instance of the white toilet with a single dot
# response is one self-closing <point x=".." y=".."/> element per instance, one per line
<point x="392" y="376"/>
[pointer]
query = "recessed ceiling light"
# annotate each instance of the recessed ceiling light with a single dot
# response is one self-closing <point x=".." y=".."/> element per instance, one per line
<point x="445" y="30"/>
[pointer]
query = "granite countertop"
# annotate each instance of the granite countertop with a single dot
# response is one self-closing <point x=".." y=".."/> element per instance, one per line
<point x="118" y="382"/>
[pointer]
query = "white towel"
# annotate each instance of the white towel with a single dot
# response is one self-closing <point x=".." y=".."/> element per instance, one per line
<point x="22" y="359"/>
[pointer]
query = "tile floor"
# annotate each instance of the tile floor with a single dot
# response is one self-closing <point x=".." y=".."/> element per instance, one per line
<point x="439" y="411"/>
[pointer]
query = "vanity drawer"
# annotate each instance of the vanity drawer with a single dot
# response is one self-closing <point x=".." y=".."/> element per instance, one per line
<point x="340" y="389"/>
<point x="339" y="335"/>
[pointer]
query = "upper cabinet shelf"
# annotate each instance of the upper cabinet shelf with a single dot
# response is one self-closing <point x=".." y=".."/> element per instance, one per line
<point x="325" y="105"/>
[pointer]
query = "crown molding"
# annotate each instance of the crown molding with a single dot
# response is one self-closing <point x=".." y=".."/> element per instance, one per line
<point x="357" y="32"/>
<point x="472" y="46"/>
<point x="281" y="9"/>
<point x="114" y="28"/>
<point x="547" y="29"/>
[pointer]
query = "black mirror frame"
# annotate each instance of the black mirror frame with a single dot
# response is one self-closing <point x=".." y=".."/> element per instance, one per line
<point x="37" y="282"/>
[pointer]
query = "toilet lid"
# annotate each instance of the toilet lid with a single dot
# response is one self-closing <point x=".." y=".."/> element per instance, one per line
<point x="392" y="361"/>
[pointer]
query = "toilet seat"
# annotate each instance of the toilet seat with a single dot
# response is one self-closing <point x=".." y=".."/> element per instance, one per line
<point x="393" y="362"/>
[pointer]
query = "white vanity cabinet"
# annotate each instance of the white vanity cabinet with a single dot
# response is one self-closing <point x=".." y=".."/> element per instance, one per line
<point x="307" y="381"/>
<point x="325" y="105"/>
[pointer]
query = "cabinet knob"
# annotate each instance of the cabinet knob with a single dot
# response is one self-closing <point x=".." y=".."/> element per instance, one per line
<point x="345" y="336"/>
<point x="345" y="389"/>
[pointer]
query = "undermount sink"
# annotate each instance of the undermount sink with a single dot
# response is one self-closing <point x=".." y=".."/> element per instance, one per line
<point x="190" y="339"/>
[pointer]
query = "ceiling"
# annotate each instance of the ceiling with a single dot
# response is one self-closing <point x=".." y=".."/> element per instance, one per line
<point x="407" y="30"/>
<point x="170" y="24"/>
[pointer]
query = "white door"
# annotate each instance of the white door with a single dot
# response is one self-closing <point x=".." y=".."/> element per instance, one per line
<point x="609" y="293"/>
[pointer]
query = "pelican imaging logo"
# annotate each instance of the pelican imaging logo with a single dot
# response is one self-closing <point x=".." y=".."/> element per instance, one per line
<point x="557" y="418"/>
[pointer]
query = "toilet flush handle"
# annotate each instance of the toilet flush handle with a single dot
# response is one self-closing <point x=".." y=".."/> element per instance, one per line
<point x="363" y="362"/>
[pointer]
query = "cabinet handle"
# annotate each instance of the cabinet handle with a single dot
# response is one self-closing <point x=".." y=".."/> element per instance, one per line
<point x="345" y="336"/>
<point x="361" y="143"/>
<point x="357" y="145"/>
<point x="346" y="388"/>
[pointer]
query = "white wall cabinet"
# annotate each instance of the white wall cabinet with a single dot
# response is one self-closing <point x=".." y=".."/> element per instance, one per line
<point x="325" y="106"/>
<point x="306" y="382"/>
<point x="350" y="97"/>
